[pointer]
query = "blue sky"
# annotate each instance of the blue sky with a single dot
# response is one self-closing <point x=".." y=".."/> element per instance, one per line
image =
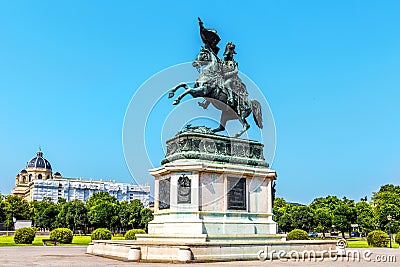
<point x="328" y="69"/>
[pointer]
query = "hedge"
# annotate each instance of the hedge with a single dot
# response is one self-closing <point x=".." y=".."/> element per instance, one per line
<point x="297" y="234"/>
<point x="101" y="234"/>
<point x="378" y="238"/>
<point x="62" y="235"/>
<point x="24" y="235"/>
<point x="131" y="234"/>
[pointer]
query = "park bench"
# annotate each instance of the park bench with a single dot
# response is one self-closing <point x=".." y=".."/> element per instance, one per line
<point x="51" y="241"/>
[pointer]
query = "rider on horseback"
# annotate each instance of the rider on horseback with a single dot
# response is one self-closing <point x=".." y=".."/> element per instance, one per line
<point x="232" y="83"/>
<point x="219" y="84"/>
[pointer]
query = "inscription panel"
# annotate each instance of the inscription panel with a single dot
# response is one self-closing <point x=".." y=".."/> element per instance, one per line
<point x="184" y="190"/>
<point x="236" y="193"/>
<point x="164" y="194"/>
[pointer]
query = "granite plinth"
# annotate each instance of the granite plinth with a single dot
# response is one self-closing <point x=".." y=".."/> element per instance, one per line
<point x="202" y="144"/>
<point x="151" y="251"/>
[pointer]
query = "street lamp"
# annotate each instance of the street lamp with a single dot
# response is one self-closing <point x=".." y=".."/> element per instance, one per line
<point x="389" y="217"/>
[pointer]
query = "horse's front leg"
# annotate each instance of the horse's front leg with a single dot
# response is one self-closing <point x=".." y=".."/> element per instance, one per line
<point x="173" y="90"/>
<point x="195" y="92"/>
<point x="187" y="91"/>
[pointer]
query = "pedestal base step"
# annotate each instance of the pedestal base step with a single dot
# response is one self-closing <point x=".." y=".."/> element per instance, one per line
<point x="179" y="251"/>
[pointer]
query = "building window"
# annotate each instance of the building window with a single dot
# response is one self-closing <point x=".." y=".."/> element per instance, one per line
<point x="30" y="177"/>
<point x="40" y="176"/>
<point x="48" y="177"/>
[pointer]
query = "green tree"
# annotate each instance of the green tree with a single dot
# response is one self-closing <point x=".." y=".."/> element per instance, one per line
<point x="2" y="209"/>
<point x="323" y="219"/>
<point x="61" y="201"/>
<point x="302" y="218"/>
<point x="104" y="215"/>
<point x="382" y="212"/>
<point x="344" y="215"/>
<point x="146" y="215"/>
<point x="16" y="207"/>
<point x="278" y="210"/>
<point x="365" y="217"/>
<point x="329" y="202"/>
<point x="386" y="201"/>
<point x="103" y="210"/>
<point x="130" y="214"/>
<point x="279" y="203"/>
<point x="73" y="215"/>
<point x="283" y="216"/>
<point x="123" y="215"/>
<point x="100" y="197"/>
<point x="45" y="213"/>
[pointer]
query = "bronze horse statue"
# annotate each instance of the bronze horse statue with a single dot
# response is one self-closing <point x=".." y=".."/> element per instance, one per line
<point x="210" y="85"/>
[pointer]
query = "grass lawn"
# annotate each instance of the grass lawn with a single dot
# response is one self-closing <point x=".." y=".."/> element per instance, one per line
<point x="362" y="243"/>
<point x="76" y="241"/>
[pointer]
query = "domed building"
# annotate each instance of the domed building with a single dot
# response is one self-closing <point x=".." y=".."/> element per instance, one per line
<point x="37" y="181"/>
<point x="37" y="168"/>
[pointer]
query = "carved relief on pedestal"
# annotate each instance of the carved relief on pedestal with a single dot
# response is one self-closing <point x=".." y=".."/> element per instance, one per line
<point x="164" y="194"/>
<point x="184" y="190"/>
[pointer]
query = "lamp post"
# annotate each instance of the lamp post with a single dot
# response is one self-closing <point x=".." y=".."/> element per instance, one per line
<point x="389" y="217"/>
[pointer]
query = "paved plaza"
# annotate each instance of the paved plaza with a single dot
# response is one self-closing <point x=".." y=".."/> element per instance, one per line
<point x="75" y="256"/>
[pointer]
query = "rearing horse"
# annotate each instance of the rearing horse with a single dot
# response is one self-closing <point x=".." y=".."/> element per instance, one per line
<point x="210" y="85"/>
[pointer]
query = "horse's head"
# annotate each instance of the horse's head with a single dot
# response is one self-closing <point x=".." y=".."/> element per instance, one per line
<point x="203" y="58"/>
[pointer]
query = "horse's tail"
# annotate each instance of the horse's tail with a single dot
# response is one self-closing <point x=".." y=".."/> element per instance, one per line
<point x="257" y="112"/>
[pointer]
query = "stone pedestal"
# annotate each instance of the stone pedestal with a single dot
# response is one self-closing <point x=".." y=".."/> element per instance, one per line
<point x="212" y="187"/>
<point x="212" y="203"/>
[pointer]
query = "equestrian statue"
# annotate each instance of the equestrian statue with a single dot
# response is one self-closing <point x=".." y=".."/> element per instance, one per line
<point x="219" y="84"/>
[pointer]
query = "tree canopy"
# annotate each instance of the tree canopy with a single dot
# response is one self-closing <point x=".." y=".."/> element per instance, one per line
<point x="325" y="212"/>
<point x="101" y="210"/>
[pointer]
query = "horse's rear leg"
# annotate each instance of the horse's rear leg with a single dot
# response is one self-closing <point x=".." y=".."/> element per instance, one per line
<point x="173" y="90"/>
<point x="245" y="127"/>
<point x="204" y="104"/>
<point x="222" y="124"/>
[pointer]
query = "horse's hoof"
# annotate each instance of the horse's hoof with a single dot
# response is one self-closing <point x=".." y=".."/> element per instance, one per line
<point x="237" y="135"/>
<point x="219" y="129"/>
<point x="171" y="94"/>
<point x="202" y="105"/>
<point x="176" y="102"/>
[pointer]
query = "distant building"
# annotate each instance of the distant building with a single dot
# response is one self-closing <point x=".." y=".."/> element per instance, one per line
<point x="37" y="181"/>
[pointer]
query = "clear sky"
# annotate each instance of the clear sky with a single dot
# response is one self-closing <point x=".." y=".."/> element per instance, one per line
<point x="328" y="69"/>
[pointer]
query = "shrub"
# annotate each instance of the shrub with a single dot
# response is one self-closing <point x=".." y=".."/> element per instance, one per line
<point x="378" y="238"/>
<point x="397" y="238"/>
<point x="62" y="235"/>
<point x="24" y="235"/>
<point x="297" y="234"/>
<point x="101" y="234"/>
<point x="131" y="234"/>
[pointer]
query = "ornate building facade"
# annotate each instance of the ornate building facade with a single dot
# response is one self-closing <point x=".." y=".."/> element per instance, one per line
<point x="37" y="181"/>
